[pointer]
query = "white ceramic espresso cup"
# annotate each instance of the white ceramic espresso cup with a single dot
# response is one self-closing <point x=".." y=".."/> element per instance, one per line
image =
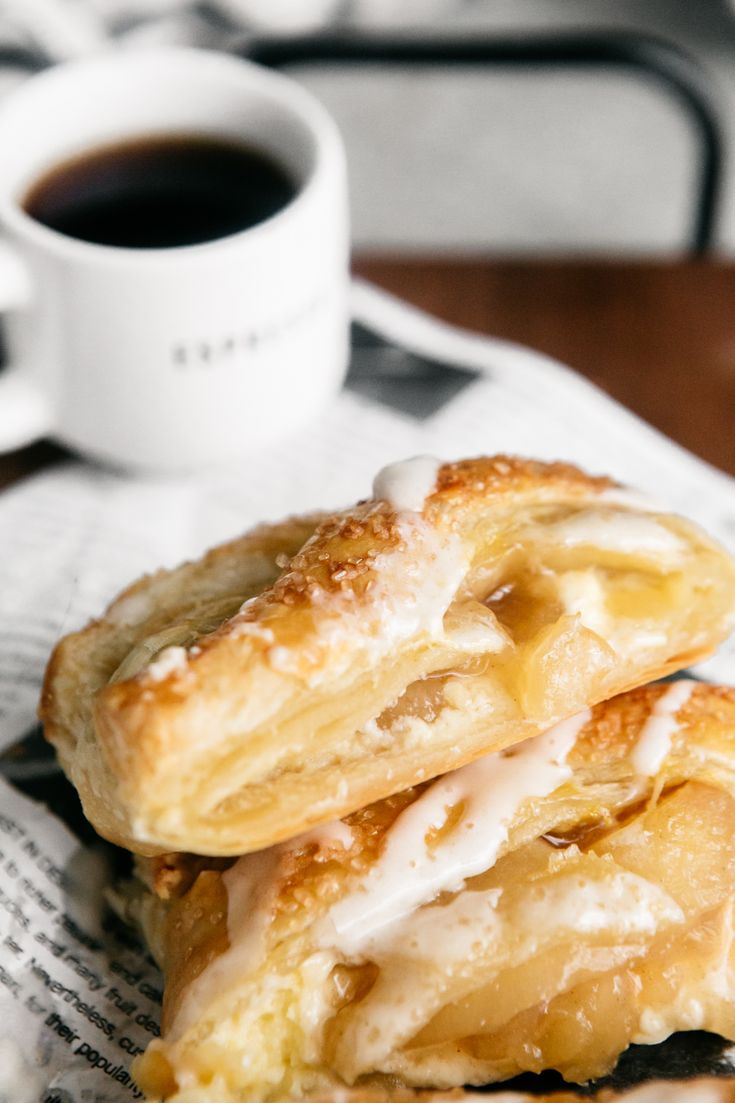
<point x="170" y="358"/>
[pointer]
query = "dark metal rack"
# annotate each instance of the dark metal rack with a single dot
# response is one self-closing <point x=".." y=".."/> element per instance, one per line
<point x="661" y="62"/>
<point x="653" y="59"/>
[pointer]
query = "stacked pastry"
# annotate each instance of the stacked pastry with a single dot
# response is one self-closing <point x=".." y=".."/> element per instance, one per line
<point x="403" y="819"/>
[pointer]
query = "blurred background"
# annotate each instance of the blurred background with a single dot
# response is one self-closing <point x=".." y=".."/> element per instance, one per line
<point x="571" y="189"/>
<point x="567" y="159"/>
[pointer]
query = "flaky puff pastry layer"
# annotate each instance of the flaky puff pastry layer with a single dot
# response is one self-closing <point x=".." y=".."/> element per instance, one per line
<point x="158" y="611"/>
<point x="541" y="908"/>
<point x="396" y="644"/>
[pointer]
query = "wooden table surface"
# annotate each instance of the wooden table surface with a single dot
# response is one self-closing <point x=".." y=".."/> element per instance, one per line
<point x="658" y="336"/>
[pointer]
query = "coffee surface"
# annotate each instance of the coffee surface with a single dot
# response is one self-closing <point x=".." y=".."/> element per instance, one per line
<point x="158" y="192"/>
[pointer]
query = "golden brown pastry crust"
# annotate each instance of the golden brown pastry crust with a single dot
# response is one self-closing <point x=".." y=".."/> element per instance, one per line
<point x="606" y="917"/>
<point x="168" y="604"/>
<point x="393" y="646"/>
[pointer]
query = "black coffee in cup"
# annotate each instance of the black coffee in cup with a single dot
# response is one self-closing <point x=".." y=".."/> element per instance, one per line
<point x="158" y="192"/>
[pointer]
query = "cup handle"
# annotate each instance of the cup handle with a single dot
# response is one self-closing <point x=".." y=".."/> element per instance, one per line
<point x="25" y="414"/>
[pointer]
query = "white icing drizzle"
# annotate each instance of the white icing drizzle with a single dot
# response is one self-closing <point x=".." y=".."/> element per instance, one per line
<point x="654" y="741"/>
<point x="414" y="590"/>
<point x="629" y="533"/>
<point x="411" y="590"/>
<point x="172" y="660"/>
<point x="250" y="885"/>
<point x="409" y="873"/>
<point x="624" y="902"/>
<point x="406" y="485"/>
<point x="502" y="929"/>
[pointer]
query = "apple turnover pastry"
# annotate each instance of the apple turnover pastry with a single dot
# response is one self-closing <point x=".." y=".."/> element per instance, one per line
<point x="465" y="607"/>
<point x="540" y="908"/>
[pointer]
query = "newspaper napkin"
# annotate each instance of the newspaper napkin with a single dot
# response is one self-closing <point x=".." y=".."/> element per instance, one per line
<point x="78" y="997"/>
